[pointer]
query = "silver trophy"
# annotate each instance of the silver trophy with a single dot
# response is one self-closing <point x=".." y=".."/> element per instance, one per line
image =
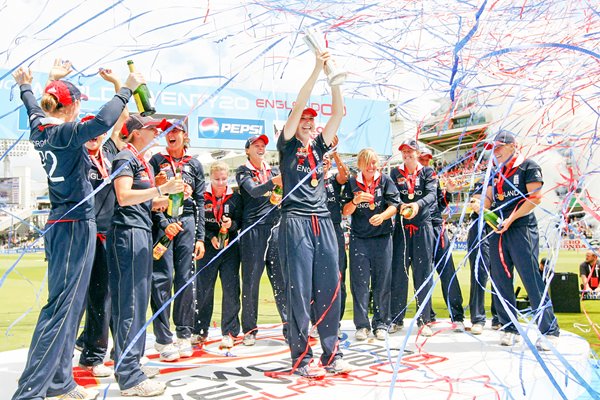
<point x="315" y="41"/>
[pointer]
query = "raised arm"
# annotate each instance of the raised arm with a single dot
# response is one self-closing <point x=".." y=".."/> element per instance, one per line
<point x="293" y="120"/>
<point x="343" y="171"/>
<point x="109" y="76"/>
<point x="337" y="113"/>
<point x="59" y="70"/>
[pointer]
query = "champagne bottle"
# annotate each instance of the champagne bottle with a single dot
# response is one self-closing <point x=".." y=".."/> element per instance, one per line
<point x="175" y="207"/>
<point x="276" y="195"/>
<point x="492" y="219"/>
<point x="407" y="212"/>
<point x="161" y="246"/>
<point x="142" y="96"/>
<point x="223" y="237"/>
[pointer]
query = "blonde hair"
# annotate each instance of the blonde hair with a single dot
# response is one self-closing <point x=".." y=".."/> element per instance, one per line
<point x="52" y="107"/>
<point x="49" y="103"/>
<point x="219" y="166"/>
<point x="365" y="157"/>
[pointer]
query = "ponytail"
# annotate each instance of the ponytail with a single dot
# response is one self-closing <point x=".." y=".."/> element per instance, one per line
<point x="49" y="103"/>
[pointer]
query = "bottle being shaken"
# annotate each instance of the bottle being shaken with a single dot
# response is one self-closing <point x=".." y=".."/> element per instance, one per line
<point x="276" y="195"/>
<point x="223" y="235"/>
<point x="490" y="217"/>
<point x="175" y="207"/>
<point x="161" y="246"/>
<point x="407" y="212"/>
<point x="142" y="96"/>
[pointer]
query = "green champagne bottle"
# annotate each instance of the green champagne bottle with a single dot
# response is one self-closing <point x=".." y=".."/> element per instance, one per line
<point x="161" y="246"/>
<point x="223" y="237"/>
<point x="276" y="195"/>
<point x="142" y="96"/>
<point x="175" y="207"/>
<point x="492" y="219"/>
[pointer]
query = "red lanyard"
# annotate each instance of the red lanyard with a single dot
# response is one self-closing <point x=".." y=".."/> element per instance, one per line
<point x="510" y="171"/>
<point x="99" y="163"/>
<point x="592" y="269"/>
<point x="176" y="164"/>
<point x="411" y="180"/>
<point x="369" y="188"/>
<point x="137" y="155"/>
<point x="262" y="173"/>
<point x="218" y="205"/>
<point x="312" y="163"/>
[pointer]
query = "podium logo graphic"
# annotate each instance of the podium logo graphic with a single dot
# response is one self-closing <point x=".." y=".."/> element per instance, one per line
<point x="229" y="128"/>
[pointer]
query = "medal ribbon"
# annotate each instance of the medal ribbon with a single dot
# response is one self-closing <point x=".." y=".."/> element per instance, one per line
<point x="261" y="173"/>
<point x="218" y="204"/>
<point x="137" y="155"/>
<point x="506" y="172"/>
<point x="311" y="162"/>
<point x="369" y="188"/>
<point x="411" y="179"/>
<point x="176" y="164"/>
<point x="99" y="163"/>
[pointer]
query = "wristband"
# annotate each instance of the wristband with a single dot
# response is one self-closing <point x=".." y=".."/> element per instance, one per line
<point x="355" y="204"/>
<point x="158" y="190"/>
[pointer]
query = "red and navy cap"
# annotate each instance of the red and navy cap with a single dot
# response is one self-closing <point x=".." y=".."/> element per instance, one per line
<point x="502" y="138"/>
<point x="254" y="138"/>
<point x="425" y="152"/>
<point x="307" y="110"/>
<point x="411" y="144"/>
<point x="65" y="92"/>
<point x="311" y="111"/>
<point x="136" y="121"/>
<point x="176" y="124"/>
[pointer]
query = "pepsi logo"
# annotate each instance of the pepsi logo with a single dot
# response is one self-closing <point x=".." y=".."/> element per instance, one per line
<point x="208" y="128"/>
<point x="229" y="128"/>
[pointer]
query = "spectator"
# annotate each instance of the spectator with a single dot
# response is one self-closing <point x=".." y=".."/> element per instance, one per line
<point x="588" y="270"/>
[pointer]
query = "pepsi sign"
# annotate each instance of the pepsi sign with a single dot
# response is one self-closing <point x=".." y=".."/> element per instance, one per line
<point x="229" y="128"/>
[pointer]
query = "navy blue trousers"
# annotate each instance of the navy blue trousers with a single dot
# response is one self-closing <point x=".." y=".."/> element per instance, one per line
<point x="479" y="259"/>
<point x="412" y="247"/>
<point x="371" y="269"/>
<point x="94" y="338"/>
<point x="343" y="263"/>
<point x="130" y="265"/>
<point x="49" y="369"/>
<point x="259" y="248"/>
<point x="169" y="274"/>
<point x="520" y="249"/>
<point x="444" y="265"/>
<point x="310" y="264"/>
<point x="227" y="266"/>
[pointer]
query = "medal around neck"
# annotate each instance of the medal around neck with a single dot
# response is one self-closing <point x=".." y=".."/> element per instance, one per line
<point x="315" y="41"/>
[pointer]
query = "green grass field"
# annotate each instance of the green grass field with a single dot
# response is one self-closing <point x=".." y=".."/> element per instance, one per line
<point x="25" y="292"/>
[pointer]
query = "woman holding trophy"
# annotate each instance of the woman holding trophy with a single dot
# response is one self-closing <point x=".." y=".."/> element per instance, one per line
<point x="307" y="242"/>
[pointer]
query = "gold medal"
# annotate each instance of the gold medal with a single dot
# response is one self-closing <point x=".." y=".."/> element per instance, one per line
<point x="314" y="182"/>
<point x="372" y="206"/>
<point x="411" y="196"/>
<point x="501" y="196"/>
